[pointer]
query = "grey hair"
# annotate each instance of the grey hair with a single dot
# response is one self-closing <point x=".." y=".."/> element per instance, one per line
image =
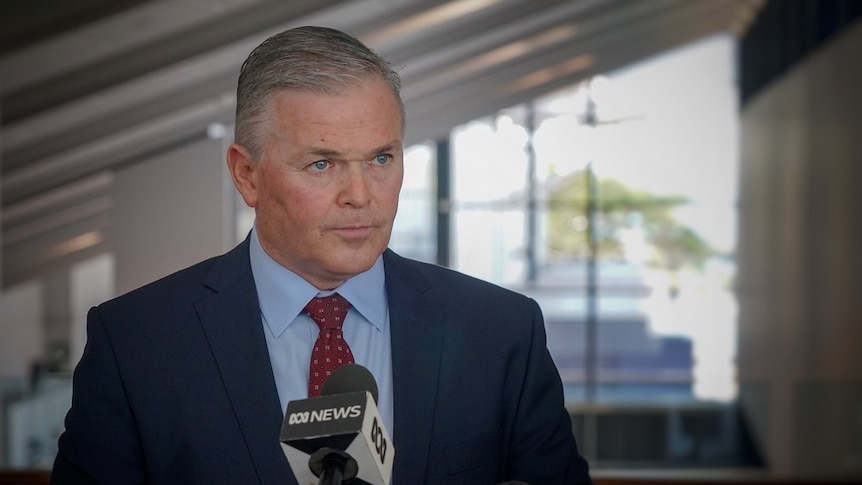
<point x="317" y="59"/>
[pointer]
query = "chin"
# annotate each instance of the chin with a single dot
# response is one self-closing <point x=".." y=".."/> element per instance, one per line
<point x="351" y="259"/>
<point x="352" y="263"/>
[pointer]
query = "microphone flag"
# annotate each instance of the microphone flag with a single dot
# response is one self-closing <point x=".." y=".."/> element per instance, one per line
<point x="348" y="422"/>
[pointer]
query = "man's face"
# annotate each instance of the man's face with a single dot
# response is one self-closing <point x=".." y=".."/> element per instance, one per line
<point x="325" y="189"/>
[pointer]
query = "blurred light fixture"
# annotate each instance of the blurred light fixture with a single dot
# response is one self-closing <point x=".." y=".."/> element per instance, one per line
<point x="429" y="18"/>
<point x="546" y="75"/>
<point x="77" y="243"/>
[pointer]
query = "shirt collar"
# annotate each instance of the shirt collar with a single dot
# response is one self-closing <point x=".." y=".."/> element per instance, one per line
<point x="282" y="294"/>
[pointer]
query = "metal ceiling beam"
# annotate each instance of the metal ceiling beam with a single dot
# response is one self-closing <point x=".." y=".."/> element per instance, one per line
<point x="468" y="99"/>
<point x="131" y="30"/>
<point x="419" y="59"/>
<point x="554" y="34"/>
<point x="173" y="87"/>
<point x="113" y="126"/>
<point x="461" y="60"/>
<point x="25" y="94"/>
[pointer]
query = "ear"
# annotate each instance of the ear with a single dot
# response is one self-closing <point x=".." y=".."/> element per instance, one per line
<point x="243" y="172"/>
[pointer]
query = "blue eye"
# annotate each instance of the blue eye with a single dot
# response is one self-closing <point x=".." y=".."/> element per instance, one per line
<point x="321" y="164"/>
<point x="382" y="159"/>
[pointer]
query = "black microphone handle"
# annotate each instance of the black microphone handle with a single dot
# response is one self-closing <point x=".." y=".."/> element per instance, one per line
<point x="332" y="466"/>
<point x="331" y="476"/>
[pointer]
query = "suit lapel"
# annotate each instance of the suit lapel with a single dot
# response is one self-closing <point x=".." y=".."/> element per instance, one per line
<point x="233" y="328"/>
<point x="417" y="343"/>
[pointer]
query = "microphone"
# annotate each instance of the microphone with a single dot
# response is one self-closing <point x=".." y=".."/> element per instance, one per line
<point x="339" y="436"/>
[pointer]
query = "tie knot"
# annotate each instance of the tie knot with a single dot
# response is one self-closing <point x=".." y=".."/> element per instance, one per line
<point x="328" y="311"/>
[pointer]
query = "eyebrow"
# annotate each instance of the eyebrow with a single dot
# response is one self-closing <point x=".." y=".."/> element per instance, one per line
<point x="329" y="153"/>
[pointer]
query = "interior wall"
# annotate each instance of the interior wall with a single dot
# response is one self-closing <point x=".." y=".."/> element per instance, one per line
<point x="171" y="211"/>
<point x="90" y="283"/>
<point x="800" y="267"/>
<point x="21" y="329"/>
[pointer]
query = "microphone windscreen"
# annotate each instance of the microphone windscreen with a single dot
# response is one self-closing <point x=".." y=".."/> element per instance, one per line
<point x="350" y="378"/>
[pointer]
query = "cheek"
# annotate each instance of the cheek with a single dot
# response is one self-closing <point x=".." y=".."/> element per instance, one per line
<point x="393" y="194"/>
<point x="288" y="205"/>
<point x="392" y="198"/>
<point x="390" y="188"/>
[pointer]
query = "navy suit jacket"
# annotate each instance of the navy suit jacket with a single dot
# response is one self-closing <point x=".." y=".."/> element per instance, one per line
<point x="175" y="385"/>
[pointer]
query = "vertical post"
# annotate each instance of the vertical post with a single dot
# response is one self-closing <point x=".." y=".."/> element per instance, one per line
<point x="592" y="288"/>
<point x="532" y="221"/>
<point x="591" y="337"/>
<point x="443" y="201"/>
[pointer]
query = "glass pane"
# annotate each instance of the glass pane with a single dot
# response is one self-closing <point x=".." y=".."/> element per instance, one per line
<point x="413" y="233"/>
<point x="630" y="226"/>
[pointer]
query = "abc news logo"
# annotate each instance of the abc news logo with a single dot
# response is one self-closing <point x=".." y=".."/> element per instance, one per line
<point x="322" y="415"/>
<point x="378" y="439"/>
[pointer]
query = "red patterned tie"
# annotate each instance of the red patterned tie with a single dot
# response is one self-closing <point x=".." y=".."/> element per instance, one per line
<point x="330" y="351"/>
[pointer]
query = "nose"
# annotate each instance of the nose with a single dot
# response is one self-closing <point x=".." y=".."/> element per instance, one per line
<point x="355" y="190"/>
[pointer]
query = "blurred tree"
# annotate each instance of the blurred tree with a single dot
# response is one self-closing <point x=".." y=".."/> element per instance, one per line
<point x="622" y="213"/>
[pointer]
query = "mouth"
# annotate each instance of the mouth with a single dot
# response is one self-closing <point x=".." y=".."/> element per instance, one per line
<point x="354" y="233"/>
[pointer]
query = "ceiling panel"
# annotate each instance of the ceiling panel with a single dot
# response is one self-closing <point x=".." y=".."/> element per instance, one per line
<point x="86" y="90"/>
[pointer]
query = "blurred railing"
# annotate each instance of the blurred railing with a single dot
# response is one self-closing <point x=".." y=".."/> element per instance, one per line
<point x="662" y="436"/>
<point x="665" y="436"/>
<point x="681" y="443"/>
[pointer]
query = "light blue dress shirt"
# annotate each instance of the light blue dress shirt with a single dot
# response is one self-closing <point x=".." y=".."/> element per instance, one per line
<point x="290" y="333"/>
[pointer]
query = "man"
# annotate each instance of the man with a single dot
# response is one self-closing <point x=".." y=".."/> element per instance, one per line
<point x="186" y="380"/>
